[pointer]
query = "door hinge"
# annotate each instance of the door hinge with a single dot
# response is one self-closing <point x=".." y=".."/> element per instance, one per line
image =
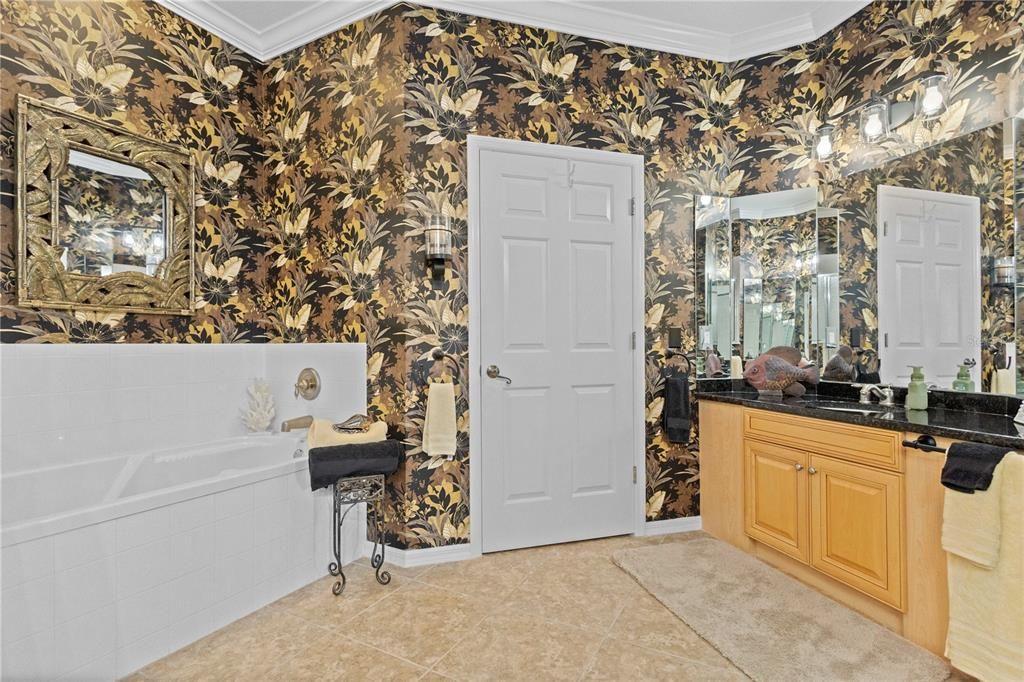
<point x="632" y="206"/>
<point x="885" y="228"/>
<point x="885" y="339"/>
<point x="632" y="340"/>
<point x="634" y="475"/>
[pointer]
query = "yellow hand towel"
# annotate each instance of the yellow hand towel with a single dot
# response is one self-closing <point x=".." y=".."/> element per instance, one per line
<point x="986" y="604"/>
<point x="971" y="525"/>
<point x="439" y="428"/>
<point x="322" y="434"/>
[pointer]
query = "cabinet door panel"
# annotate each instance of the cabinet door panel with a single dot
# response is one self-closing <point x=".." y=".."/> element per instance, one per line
<point x="857" y="526"/>
<point x="776" y="497"/>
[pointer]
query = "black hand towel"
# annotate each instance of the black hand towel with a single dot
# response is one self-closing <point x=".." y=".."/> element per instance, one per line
<point x="675" y="413"/>
<point x="328" y="464"/>
<point x="969" y="466"/>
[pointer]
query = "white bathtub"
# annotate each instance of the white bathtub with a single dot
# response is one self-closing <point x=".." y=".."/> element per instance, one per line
<point x="111" y="564"/>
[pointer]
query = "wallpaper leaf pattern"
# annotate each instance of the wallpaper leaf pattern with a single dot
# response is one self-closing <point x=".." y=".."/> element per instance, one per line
<point x="319" y="169"/>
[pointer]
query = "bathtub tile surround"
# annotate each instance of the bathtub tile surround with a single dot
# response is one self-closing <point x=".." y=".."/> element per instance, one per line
<point x="130" y="533"/>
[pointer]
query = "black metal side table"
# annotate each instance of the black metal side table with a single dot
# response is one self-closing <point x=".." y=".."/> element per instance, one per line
<point x="348" y="492"/>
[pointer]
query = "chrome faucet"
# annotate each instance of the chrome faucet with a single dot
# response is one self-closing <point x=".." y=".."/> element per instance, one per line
<point x="296" y="423"/>
<point x="885" y="395"/>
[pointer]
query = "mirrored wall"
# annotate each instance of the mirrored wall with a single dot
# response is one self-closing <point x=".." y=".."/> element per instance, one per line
<point x="911" y="262"/>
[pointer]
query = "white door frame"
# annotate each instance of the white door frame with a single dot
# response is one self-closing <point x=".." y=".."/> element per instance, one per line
<point x="477" y="144"/>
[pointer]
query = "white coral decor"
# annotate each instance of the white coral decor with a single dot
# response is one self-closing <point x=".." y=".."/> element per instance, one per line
<point x="259" y="414"/>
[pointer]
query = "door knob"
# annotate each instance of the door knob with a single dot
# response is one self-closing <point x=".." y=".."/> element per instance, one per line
<point x="812" y="471"/>
<point x="798" y="467"/>
<point x="494" y="372"/>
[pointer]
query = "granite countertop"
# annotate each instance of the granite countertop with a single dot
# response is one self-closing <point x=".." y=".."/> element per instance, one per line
<point x="968" y="425"/>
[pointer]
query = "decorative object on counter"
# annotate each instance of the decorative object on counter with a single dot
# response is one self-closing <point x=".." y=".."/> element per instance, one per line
<point x="917" y="390"/>
<point x="770" y="373"/>
<point x="357" y="423"/>
<point x="675" y="412"/>
<point x="736" y="367"/>
<point x="787" y="353"/>
<point x="963" y="381"/>
<point x="1019" y="417"/>
<point x="258" y="414"/>
<point x="713" y="365"/>
<point x="840" y="367"/>
<point x="323" y="433"/>
<point x="866" y="367"/>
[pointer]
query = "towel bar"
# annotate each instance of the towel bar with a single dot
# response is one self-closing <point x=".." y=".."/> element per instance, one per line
<point x="926" y="443"/>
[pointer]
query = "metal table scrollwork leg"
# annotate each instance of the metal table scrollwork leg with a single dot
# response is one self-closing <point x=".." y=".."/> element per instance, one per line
<point x="348" y="492"/>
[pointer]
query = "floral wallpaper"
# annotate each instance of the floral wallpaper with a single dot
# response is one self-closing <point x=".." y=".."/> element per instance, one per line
<point x="971" y="165"/>
<point x="320" y="167"/>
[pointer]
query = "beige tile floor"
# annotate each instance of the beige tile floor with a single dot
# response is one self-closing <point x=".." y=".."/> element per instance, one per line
<point x="563" y="612"/>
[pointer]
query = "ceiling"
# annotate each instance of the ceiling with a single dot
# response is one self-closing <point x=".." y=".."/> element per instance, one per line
<point x="724" y="30"/>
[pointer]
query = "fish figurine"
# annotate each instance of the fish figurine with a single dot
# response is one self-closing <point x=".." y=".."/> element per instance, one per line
<point x="787" y="353"/>
<point x="770" y="373"/>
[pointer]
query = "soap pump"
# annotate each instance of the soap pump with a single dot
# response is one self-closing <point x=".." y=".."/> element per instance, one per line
<point x="917" y="390"/>
<point x="963" y="381"/>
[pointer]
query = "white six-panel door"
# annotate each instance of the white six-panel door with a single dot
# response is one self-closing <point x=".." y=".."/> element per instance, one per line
<point x="555" y="311"/>
<point x="929" y="283"/>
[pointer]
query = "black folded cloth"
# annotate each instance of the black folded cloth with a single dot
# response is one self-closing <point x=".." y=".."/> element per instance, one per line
<point x="675" y="413"/>
<point x="969" y="466"/>
<point x="328" y="464"/>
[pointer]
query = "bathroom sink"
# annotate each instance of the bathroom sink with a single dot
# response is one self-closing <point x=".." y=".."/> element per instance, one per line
<point x="852" y="408"/>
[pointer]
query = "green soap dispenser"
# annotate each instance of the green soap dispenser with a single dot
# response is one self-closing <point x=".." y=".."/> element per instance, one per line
<point x="917" y="390"/>
<point x="963" y="381"/>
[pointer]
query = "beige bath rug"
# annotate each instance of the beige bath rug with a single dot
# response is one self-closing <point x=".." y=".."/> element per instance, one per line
<point x="771" y="626"/>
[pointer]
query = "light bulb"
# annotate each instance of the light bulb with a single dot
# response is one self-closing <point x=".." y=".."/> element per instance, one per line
<point x="873" y="126"/>
<point x="824" y="146"/>
<point x="128" y="239"/>
<point x="158" y="242"/>
<point x="705" y="200"/>
<point x="933" y="101"/>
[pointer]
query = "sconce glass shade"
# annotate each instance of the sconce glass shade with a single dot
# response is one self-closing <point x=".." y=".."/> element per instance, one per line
<point x="823" y="148"/>
<point x="934" y="98"/>
<point x="874" y="121"/>
<point x="439" y="238"/>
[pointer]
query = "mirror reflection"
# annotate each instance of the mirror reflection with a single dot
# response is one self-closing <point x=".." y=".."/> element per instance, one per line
<point x="111" y="217"/>
<point x="909" y="263"/>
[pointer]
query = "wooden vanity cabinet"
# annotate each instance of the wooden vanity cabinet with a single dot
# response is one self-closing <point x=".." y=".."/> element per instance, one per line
<point x="856" y="517"/>
<point x="840" y="512"/>
<point x="865" y="528"/>
<point x="776" y="497"/>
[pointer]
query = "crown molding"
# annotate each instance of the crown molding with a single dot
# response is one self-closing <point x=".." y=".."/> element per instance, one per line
<point x="283" y="36"/>
<point x="579" y="17"/>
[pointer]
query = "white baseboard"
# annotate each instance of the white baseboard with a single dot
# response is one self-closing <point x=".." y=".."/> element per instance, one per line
<point x="408" y="558"/>
<point x="683" y="525"/>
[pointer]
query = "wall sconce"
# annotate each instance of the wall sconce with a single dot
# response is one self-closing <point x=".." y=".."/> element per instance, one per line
<point x="932" y="102"/>
<point x="823" y="148"/>
<point x="1003" y="271"/>
<point x="439" y="245"/>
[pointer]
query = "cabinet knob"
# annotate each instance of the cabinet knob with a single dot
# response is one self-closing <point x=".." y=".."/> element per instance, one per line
<point x="798" y="467"/>
<point x="812" y="471"/>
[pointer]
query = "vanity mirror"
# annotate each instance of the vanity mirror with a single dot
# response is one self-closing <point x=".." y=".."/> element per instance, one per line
<point x="105" y="217"/>
<point x="908" y="262"/>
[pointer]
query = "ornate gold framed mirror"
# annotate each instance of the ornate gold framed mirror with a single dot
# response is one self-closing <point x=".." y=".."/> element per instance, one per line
<point x="106" y="218"/>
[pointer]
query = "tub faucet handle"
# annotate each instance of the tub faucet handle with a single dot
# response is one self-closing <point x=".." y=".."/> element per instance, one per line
<point x="308" y="384"/>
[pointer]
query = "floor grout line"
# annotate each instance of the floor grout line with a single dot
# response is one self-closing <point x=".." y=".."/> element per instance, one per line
<point x="597" y="652"/>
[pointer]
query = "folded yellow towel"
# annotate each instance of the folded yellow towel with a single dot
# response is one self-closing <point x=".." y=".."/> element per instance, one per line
<point x="971" y="526"/>
<point x="439" y="428"/>
<point x="986" y="604"/>
<point x="321" y="434"/>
